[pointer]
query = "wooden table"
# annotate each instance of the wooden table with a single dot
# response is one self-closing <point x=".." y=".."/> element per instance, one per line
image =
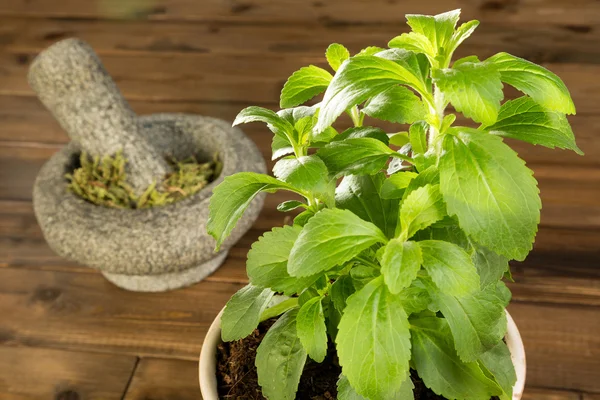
<point x="66" y="333"/>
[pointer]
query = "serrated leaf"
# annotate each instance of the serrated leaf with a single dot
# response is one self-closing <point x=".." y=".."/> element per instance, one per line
<point x="474" y="89"/>
<point x="394" y="186"/>
<point x="420" y="209"/>
<point x="360" y="194"/>
<point x="345" y="391"/>
<point x="414" y="41"/>
<point x="280" y="359"/>
<point x="275" y="123"/>
<point x="307" y="173"/>
<point x="438" y="28"/>
<point x="415" y="298"/>
<point x="267" y="261"/>
<point x="490" y="266"/>
<point x="369" y="51"/>
<point x="341" y="289"/>
<point x="242" y="312"/>
<point x="336" y="54"/>
<point x="439" y="366"/>
<point x="461" y="34"/>
<point x="450" y="267"/>
<point x="290" y="205"/>
<point x="397" y="104"/>
<point x="536" y="81"/>
<point x="491" y="191"/>
<point x="303" y="85"/>
<point x="310" y="325"/>
<point x="363" y="132"/>
<point x="400" y="264"/>
<point x="231" y="198"/>
<point x="418" y="137"/>
<point x="359" y="156"/>
<point x="498" y="362"/>
<point x="526" y="120"/>
<point x="373" y="342"/>
<point x="332" y="237"/>
<point x="478" y="321"/>
<point x="363" y="77"/>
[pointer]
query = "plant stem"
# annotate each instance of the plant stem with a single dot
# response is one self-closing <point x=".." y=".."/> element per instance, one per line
<point x="356" y="116"/>
<point x="279" y="309"/>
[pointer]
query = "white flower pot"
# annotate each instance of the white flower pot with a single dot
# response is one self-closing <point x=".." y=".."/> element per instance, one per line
<point x="208" y="359"/>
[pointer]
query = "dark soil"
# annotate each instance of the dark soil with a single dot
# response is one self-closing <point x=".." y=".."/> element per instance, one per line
<point x="237" y="378"/>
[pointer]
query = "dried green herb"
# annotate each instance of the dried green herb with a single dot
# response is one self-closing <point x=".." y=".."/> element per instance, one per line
<point x="102" y="181"/>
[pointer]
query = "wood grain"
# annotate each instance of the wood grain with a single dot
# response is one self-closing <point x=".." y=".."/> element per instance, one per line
<point x="241" y="78"/>
<point x="539" y="43"/>
<point x="160" y="379"/>
<point x="85" y="312"/>
<point x="529" y="12"/>
<point x="28" y="374"/>
<point x="545" y="394"/>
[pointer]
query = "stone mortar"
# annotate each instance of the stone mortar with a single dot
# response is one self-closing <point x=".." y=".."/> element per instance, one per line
<point x="153" y="249"/>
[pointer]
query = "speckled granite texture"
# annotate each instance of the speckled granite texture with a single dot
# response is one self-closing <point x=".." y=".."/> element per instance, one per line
<point x="153" y="249"/>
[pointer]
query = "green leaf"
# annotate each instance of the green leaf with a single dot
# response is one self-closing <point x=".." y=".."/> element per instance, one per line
<point x="307" y="173"/>
<point x="474" y="89"/>
<point x="363" y="132"/>
<point x="526" y="120"/>
<point x="399" y="139"/>
<point x="360" y="156"/>
<point x="310" y="324"/>
<point x="341" y="289"/>
<point x="369" y="51"/>
<point x="373" y="342"/>
<point x="490" y="266"/>
<point x="478" y="321"/>
<point x="439" y="366"/>
<point x="345" y="391"/>
<point x="461" y="34"/>
<point x="242" y="312"/>
<point x="491" y="191"/>
<point x="393" y="187"/>
<point x="275" y="123"/>
<point x="360" y="194"/>
<point x="414" y="41"/>
<point x="400" y="264"/>
<point x="268" y="259"/>
<point x="336" y="54"/>
<point x="363" y="77"/>
<point x="498" y="362"/>
<point x="280" y="146"/>
<point x="362" y="275"/>
<point x="302" y="218"/>
<point x="450" y="267"/>
<point x="415" y="298"/>
<point x="397" y="104"/>
<point x="280" y="359"/>
<point x="303" y="85"/>
<point x="290" y="205"/>
<point x="231" y="198"/>
<point x="438" y="29"/>
<point x="540" y="84"/>
<point x="332" y="237"/>
<point x="421" y="208"/>
<point x="418" y="137"/>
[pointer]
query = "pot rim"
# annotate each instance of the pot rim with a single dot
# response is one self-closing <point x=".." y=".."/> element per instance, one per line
<point x="208" y="358"/>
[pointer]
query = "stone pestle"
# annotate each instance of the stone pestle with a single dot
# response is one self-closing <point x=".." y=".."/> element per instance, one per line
<point x="72" y="83"/>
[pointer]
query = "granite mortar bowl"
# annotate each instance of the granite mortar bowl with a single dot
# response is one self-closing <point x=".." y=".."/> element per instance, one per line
<point x="153" y="249"/>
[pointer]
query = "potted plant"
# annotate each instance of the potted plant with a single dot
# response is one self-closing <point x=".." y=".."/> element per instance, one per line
<point x="392" y="274"/>
<point x="110" y="199"/>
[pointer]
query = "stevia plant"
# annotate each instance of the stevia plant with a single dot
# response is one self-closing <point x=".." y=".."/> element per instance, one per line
<point x="400" y="262"/>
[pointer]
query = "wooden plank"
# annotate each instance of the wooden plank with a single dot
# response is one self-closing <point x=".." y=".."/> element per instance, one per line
<point x="576" y="12"/>
<point x="539" y="43"/>
<point x="27" y="373"/>
<point x="570" y="194"/>
<point x="562" y="345"/>
<point x="24" y="119"/>
<point x="247" y="78"/>
<point x="561" y="269"/>
<point x="160" y="379"/>
<point x="531" y="393"/>
<point x="85" y="312"/>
